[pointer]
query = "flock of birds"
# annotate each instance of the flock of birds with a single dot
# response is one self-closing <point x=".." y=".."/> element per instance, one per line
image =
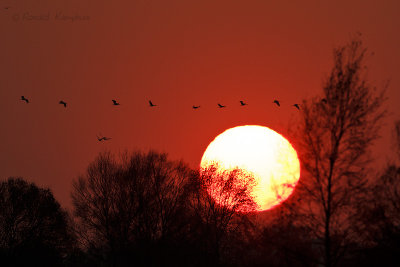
<point x="116" y="103"/>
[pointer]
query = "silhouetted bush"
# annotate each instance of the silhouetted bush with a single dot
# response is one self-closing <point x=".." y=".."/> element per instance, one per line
<point x="379" y="216"/>
<point x="33" y="228"/>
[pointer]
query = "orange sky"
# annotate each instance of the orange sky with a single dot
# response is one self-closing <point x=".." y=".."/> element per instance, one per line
<point x="178" y="54"/>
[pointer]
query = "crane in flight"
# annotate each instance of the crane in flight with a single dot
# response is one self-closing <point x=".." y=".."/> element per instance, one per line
<point x="63" y="103"/>
<point x="24" y="99"/>
<point x="103" y="138"/>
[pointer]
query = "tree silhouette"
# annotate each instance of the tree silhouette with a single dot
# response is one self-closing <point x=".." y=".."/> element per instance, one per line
<point x="334" y="138"/>
<point x="33" y="228"/>
<point x="222" y="200"/>
<point x="379" y="222"/>
<point x="132" y="209"/>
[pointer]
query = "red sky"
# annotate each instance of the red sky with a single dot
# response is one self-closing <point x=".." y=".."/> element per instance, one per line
<point x="178" y="54"/>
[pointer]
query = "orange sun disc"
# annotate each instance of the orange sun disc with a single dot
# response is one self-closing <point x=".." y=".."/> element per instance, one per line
<point x="262" y="153"/>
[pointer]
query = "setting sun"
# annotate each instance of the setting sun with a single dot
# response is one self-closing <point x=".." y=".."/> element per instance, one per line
<point x="261" y="152"/>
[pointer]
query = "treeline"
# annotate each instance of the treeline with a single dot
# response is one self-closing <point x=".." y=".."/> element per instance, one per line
<point x="131" y="209"/>
<point x="141" y="209"/>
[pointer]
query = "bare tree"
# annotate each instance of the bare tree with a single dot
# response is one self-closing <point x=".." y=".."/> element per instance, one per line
<point x="222" y="200"/>
<point x="129" y="205"/>
<point x="334" y="138"/>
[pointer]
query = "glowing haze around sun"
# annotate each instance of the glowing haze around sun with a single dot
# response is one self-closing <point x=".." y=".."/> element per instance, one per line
<point x="261" y="152"/>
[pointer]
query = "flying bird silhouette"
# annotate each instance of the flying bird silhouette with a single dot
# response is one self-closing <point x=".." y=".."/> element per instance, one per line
<point x="196" y="107"/>
<point x="24" y="99"/>
<point x="115" y="103"/>
<point x="242" y="103"/>
<point x="297" y="106"/>
<point x="277" y="102"/>
<point x="63" y="103"/>
<point x="151" y="104"/>
<point x="221" y="106"/>
<point x="103" y="138"/>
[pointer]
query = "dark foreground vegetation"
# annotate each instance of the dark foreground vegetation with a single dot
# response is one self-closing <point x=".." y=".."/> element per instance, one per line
<point x="142" y="209"/>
